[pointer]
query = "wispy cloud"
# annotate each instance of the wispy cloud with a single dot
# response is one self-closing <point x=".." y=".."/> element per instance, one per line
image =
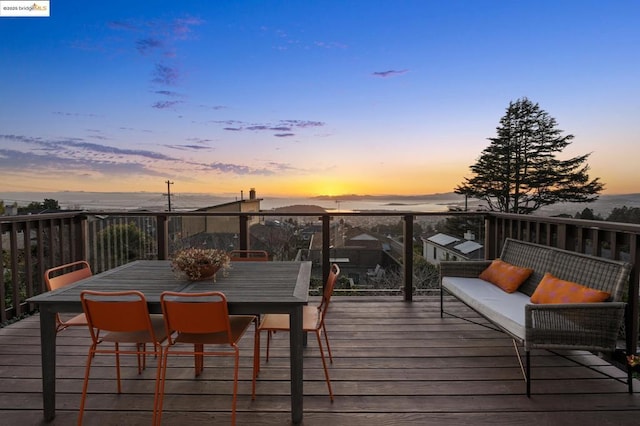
<point x="146" y="45"/>
<point x="76" y="157"/>
<point x="166" y="75"/>
<point x="238" y="169"/>
<point x="75" y="114"/>
<point x="168" y="93"/>
<point x="195" y="144"/>
<point x="45" y="166"/>
<point x="181" y="28"/>
<point x="159" y="39"/>
<point x="213" y="107"/>
<point x="132" y="129"/>
<point x="189" y="147"/>
<point x="284" y="128"/>
<point x="304" y="123"/>
<point x="165" y="104"/>
<point x="389" y="73"/>
<point x="258" y="127"/>
<point x="199" y="140"/>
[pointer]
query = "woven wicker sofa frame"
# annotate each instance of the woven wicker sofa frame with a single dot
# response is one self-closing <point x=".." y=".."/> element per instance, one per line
<point x="592" y="327"/>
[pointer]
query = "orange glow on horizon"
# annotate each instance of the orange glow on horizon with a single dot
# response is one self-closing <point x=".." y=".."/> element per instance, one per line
<point x="437" y="179"/>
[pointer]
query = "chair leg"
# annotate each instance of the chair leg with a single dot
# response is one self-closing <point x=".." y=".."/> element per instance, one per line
<point x="157" y="350"/>
<point x="235" y="386"/>
<point x="118" y="367"/>
<point x="85" y="384"/>
<point x="326" y="339"/>
<point x="268" y="344"/>
<point x="198" y="358"/>
<point x="256" y="350"/>
<point x="528" y="378"/>
<point x="160" y="386"/>
<point x="324" y="365"/>
<point x="142" y="358"/>
<point x="256" y="363"/>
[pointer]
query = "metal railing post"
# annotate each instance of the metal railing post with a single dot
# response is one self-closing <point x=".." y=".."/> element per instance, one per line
<point x="244" y="232"/>
<point x="408" y="258"/>
<point x="326" y="248"/>
<point x="162" y="236"/>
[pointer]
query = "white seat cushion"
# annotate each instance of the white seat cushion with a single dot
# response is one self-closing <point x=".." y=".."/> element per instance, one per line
<point x="498" y="306"/>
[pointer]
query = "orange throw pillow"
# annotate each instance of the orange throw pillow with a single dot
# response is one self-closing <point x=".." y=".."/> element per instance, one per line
<point x="505" y="275"/>
<point x="555" y="290"/>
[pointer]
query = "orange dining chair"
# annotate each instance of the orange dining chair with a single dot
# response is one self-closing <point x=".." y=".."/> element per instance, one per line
<point x="195" y="320"/>
<point x="248" y="256"/>
<point x="56" y="278"/>
<point x="121" y="317"/>
<point x="313" y="320"/>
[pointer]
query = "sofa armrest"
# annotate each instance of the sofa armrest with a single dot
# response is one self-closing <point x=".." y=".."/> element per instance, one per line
<point x="585" y="326"/>
<point x="468" y="269"/>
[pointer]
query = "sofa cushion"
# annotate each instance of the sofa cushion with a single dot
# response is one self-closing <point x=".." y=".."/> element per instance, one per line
<point x="505" y="275"/>
<point x="554" y="290"/>
<point x="499" y="307"/>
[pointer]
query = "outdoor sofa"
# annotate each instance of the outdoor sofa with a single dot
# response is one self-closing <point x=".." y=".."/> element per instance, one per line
<point x="591" y="326"/>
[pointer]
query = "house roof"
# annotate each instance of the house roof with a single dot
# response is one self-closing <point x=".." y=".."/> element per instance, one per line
<point x="468" y="247"/>
<point x="443" y="239"/>
<point x="364" y="237"/>
<point x="230" y="203"/>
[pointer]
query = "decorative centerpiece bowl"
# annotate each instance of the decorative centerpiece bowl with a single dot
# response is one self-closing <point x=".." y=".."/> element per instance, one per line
<point x="200" y="264"/>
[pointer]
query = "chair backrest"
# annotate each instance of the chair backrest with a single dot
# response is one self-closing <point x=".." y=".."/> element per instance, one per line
<point x="56" y="278"/>
<point x="117" y="311"/>
<point x="248" y="256"/>
<point x="196" y="313"/>
<point x="328" y="290"/>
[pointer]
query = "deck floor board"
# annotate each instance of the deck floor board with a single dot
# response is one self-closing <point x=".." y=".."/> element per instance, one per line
<point x="394" y="363"/>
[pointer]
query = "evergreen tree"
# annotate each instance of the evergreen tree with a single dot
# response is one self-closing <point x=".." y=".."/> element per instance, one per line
<point x="625" y="214"/>
<point x="458" y="225"/>
<point x="50" y="204"/>
<point x="519" y="172"/>
<point x="36" y="207"/>
<point x="587" y="214"/>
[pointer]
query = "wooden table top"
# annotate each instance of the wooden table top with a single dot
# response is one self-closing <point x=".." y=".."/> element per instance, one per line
<point x="244" y="283"/>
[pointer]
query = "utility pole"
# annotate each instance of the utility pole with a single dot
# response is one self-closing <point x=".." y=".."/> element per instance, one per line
<point x="169" y="183"/>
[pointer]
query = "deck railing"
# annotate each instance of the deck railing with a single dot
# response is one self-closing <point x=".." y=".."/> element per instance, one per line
<point x="31" y="244"/>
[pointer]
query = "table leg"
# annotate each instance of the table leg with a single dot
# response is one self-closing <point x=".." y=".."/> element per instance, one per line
<point x="48" y="349"/>
<point x="295" y="345"/>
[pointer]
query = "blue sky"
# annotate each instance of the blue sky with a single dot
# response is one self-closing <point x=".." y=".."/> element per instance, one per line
<point x="307" y="97"/>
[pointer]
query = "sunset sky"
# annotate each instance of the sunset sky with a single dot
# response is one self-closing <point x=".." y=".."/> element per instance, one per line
<point x="302" y="98"/>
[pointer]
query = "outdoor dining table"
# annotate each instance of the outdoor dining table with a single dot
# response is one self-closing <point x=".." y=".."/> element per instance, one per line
<point x="250" y="288"/>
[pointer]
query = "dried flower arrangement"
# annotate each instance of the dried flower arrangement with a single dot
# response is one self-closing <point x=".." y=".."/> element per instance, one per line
<point x="200" y="263"/>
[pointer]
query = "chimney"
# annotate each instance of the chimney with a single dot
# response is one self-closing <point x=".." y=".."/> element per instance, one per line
<point x="252" y="194"/>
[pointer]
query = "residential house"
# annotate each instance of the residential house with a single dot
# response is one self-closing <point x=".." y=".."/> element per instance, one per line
<point x="441" y="246"/>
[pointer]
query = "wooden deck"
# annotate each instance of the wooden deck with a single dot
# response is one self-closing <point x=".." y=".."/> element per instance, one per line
<point x="394" y="363"/>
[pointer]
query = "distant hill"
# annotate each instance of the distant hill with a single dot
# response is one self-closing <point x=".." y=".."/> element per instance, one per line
<point x="299" y="208"/>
